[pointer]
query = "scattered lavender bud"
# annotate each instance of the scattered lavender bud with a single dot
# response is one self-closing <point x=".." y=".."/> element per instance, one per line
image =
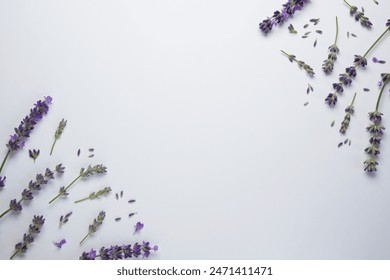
<point x="58" y="133"/>
<point x="305" y="36"/>
<point x="306" y="103"/>
<point x="116" y="196"/>
<point x="348" y="35"/>
<point x="91" y="150"/>
<point x="28" y="238"/>
<point x="118" y="219"/>
<point x="319" y="31"/>
<point x="287" y="11"/>
<point x="121" y="252"/>
<point x="306" y="26"/>
<point x="359" y="16"/>
<point x="23" y="131"/>
<point x="375" y="129"/>
<point x="78" y="152"/>
<point x="309" y="88"/>
<point x="91" y="156"/>
<point x="131" y="214"/>
<point x="332" y="124"/>
<point x="300" y="63"/>
<point x="366" y="89"/>
<point x="131" y="201"/>
<point x="307" y="33"/>
<point x="65" y="219"/>
<point x="376" y="2"/>
<point x="346" y="141"/>
<point x="27" y="194"/>
<point x="291" y="29"/>
<point x="121" y="194"/>
<point x="349" y="143"/>
<point x="138" y="227"/>
<point x="340" y="144"/>
<point x="315" y="43"/>
<point x="95" y="225"/>
<point x="60" y="243"/>
<point x="353" y="35"/>
<point x="34" y="154"/>
<point x="94" y="195"/>
<point x="84" y="173"/>
<point x="375" y="60"/>
<point x="315" y="20"/>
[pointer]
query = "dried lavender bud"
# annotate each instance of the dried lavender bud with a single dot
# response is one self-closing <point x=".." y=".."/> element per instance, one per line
<point x="121" y="194"/>
<point x="375" y="60"/>
<point x="58" y="133"/>
<point x="300" y="63"/>
<point x="340" y="144"/>
<point x="94" y="195"/>
<point x="366" y="89"/>
<point x="306" y="26"/>
<point x="131" y="201"/>
<point x="95" y="225"/>
<point x="315" y="43"/>
<point x="91" y="156"/>
<point x="78" y="152"/>
<point x="65" y="219"/>
<point x="27" y="194"/>
<point x="349" y="143"/>
<point x="354" y="35"/>
<point x="131" y="214"/>
<point x="319" y="31"/>
<point x="138" y="227"/>
<point x="376" y="2"/>
<point x="332" y="124"/>
<point x="328" y="64"/>
<point x="23" y="131"/>
<point x="116" y="196"/>
<point x="121" y="252"/>
<point x="305" y="36"/>
<point x="309" y="88"/>
<point x="359" y="16"/>
<point x="118" y="219"/>
<point x="28" y="238"/>
<point x="291" y="29"/>
<point x="307" y="33"/>
<point x="346" y="141"/>
<point x="91" y="150"/>
<point x="60" y="243"/>
<point x="287" y="11"/>
<point x="376" y="130"/>
<point x="315" y="20"/>
<point x="348" y="35"/>
<point x="306" y="103"/>
<point x="33" y="154"/>
<point x="84" y="173"/>
<point x="349" y="111"/>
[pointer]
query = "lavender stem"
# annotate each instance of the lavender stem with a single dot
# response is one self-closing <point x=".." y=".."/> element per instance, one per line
<point x="4" y="160"/>
<point x="377" y="40"/>
<point x="58" y="195"/>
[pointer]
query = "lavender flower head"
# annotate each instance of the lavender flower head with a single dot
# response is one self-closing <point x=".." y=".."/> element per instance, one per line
<point x="95" y="225"/>
<point x="359" y="16"/>
<point x="287" y="11"/>
<point x="23" y="131"/>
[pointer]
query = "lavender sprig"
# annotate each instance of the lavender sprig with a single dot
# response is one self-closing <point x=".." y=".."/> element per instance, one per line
<point x="347" y="118"/>
<point x="300" y="63"/>
<point x="95" y="225"/>
<point x="328" y="64"/>
<point x="287" y="11"/>
<point x="58" y="133"/>
<point x="84" y="173"/>
<point x="33" y="186"/>
<point x="376" y="131"/>
<point x="95" y="195"/>
<point x="346" y="78"/>
<point x="65" y="219"/>
<point x="121" y="252"/>
<point x="23" y="131"/>
<point x="28" y="238"/>
<point x="359" y="16"/>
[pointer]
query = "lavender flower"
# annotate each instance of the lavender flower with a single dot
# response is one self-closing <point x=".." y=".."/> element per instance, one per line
<point x="28" y="238"/>
<point x="23" y="131"/>
<point x="121" y="252"/>
<point x="33" y="154"/>
<point x="376" y="60"/>
<point x="2" y="182"/>
<point x="138" y="226"/>
<point x="301" y="63"/>
<point x="65" y="219"/>
<point x="359" y="16"/>
<point x="84" y="173"/>
<point x="94" y="195"/>
<point x="95" y="225"/>
<point x="376" y="130"/>
<point x="58" y="133"/>
<point x="346" y="78"/>
<point x="349" y="111"/>
<point x="33" y="186"/>
<point x="287" y="11"/>
<point x="60" y="243"/>
<point x="328" y="64"/>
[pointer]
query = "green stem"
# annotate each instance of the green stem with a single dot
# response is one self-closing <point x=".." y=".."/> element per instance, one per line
<point x="16" y="252"/>
<point x="52" y="147"/>
<point x="337" y="30"/>
<point x="379" y="97"/>
<point x="80" y="200"/>
<point x="377" y="40"/>
<point x="4" y="160"/>
<point x="347" y="3"/>
<point x="353" y="100"/>
<point x="58" y="195"/>
<point x="85" y="237"/>
<point x="5" y="213"/>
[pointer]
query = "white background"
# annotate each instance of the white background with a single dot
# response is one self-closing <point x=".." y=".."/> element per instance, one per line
<point x="199" y="118"/>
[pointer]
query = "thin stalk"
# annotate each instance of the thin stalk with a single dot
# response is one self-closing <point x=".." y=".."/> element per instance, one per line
<point x="379" y="97"/>
<point x="347" y="3"/>
<point x="14" y="254"/>
<point x="5" y="213"/>
<point x="58" y="195"/>
<point x="4" y="160"/>
<point x="288" y="55"/>
<point x="52" y="147"/>
<point x="353" y="100"/>
<point x="85" y="237"/>
<point x="80" y="200"/>
<point x="377" y="40"/>
<point x="337" y="30"/>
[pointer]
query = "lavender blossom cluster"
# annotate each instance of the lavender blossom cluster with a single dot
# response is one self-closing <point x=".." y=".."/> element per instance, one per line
<point x="287" y="11"/>
<point x="122" y="252"/>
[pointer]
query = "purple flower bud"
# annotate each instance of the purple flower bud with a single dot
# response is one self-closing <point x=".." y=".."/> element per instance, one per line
<point x="15" y="206"/>
<point x="374" y="59"/>
<point x="2" y="182"/>
<point x="59" y="244"/>
<point x="138" y="226"/>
